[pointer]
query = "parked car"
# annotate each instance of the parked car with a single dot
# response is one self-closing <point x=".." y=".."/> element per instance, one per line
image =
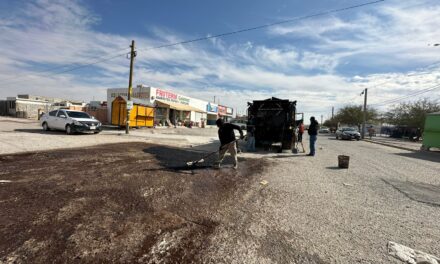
<point x="70" y="121"/>
<point x="348" y="133"/>
<point x="324" y="130"/>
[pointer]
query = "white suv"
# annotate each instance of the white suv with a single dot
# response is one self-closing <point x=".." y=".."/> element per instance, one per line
<point x="70" y="121"/>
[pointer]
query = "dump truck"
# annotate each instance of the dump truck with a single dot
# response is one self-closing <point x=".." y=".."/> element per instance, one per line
<point x="274" y="124"/>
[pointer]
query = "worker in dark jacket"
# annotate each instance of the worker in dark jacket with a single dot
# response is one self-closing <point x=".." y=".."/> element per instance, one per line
<point x="313" y="135"/>
<point x="227" y="141"/>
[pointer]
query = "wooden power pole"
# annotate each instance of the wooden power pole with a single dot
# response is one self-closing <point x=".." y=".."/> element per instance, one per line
<point x="130" y="80"/>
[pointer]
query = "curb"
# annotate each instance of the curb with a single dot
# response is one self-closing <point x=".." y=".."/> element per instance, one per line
<point x="390" y="145"/>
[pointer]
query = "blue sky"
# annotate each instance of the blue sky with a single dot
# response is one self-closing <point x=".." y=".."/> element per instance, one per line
<point x="322" y="62"/>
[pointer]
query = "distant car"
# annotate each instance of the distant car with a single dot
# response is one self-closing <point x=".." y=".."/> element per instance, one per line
<point x="348" y="133"/>
<point x="324" y="130"/>
<point x="70" y="121"/>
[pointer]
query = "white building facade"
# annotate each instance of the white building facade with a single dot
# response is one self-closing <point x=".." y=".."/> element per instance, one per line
<point x="170" y="108"/>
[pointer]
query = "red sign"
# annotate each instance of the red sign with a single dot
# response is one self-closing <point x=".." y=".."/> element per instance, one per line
<point x="221" y="110"/>
<point x="161" y="94"/>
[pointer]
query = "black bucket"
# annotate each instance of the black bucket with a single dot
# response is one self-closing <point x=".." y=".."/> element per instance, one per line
<point x="343" y="161"/>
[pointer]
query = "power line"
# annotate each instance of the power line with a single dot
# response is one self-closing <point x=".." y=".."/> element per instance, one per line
<point x="264" y="26"/>
<point x="64" y="66"/>
<point x="222" y="34"/>
<point x="397" y="99"/>
<point x="70" y="69"/>
<point x="406" y="75"/>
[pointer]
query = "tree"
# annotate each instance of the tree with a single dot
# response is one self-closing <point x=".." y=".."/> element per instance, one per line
<point x="332" y="122"/>
<point x="353" y="115"/>
<point x="412" y="114"/>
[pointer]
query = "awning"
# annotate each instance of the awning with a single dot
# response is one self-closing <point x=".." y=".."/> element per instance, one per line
<point x="177" y="106"/>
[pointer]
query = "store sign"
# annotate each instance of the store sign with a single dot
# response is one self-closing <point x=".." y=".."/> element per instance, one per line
<point x="229" y="111"/>
<point x="221" y="110"/>
<point x="140" y="95"/>
<point x="211" y="108"/>
<point x="171" y="97"/>
<point x="129" y="105"/>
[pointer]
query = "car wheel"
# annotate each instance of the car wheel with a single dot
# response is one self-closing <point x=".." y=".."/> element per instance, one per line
<point x="337" y="137"/>
<point x="69" y="130"/>
<point x="96" y="132"/>
<point x="45" y="127"/>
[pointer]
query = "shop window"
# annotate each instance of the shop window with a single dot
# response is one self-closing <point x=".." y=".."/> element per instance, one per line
<point x="12" y="104"/>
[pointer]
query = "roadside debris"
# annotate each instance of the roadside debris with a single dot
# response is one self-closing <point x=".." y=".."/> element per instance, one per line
<point x="409" y="255"/>
<point x="5" y="181"/>
<point x="347" y="184"/>
<point x="264" y="182"/>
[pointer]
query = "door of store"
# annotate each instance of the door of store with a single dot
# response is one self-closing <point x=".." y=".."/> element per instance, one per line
<point x="173" y="117"/>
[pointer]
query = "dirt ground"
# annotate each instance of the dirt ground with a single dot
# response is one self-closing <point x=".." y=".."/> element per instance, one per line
<point x="130" y="203"/>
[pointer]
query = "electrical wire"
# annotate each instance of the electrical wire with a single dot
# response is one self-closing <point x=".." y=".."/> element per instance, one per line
<point x="408" y="75"/>
<point x="392" y="81"/>
<point x="416" y="93"/>
<point x="220" y="35"/>
<point x="64" y="66"/>
<point x="264" y="26"/>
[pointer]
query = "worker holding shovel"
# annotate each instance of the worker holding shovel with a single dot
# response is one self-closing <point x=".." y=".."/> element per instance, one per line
<point x="227" y="141"/>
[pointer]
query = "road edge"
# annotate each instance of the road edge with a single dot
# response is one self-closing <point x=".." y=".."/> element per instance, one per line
<point x="390" y="145"/>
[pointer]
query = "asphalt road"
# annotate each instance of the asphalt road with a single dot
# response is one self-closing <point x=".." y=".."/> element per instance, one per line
<point x="309" y="212"/>
<point x="313" y="212"/>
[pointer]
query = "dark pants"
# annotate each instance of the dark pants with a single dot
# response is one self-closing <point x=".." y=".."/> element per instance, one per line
<point x="300" y="137"/>
<point x="312" y="139"/>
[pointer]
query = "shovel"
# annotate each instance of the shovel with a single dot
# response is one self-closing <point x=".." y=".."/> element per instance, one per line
<point x="194" y="162"/>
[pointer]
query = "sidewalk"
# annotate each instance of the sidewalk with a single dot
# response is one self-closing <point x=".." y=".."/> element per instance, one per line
<point x="396" y="143"/>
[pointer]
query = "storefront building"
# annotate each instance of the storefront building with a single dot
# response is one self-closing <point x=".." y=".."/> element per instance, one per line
<point x="212" y="113"/>
<point x="171" y="109"/>
<point x="225" y="113"/>
<point x="178" y="110"/>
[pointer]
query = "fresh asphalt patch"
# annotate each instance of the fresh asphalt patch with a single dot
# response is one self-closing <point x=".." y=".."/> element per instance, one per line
<point x="416" y="191"/>
<point x="123" y="203"/>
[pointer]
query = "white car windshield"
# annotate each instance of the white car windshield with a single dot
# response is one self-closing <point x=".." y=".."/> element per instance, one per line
<point x="348" y="129"/>
<point x="77" y="114"/>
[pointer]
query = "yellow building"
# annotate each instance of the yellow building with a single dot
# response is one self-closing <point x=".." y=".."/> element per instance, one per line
<point x="142" y="114"/>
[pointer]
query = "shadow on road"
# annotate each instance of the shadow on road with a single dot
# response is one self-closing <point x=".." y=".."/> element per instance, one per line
<point x="288" y="156"/>
<point x="37" y="131"/>
<point x="429" y="156"/>
<point x="176" y="158"/>
<point x="51" y="132"/>
<point x="334" y="168"/>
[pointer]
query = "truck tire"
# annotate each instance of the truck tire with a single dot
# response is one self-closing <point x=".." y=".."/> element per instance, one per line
<point x="69" y="130"/>
<point x="46" y="126"/>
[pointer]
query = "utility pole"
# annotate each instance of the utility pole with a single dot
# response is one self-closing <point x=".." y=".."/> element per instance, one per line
<point x="214" y="99"/>
<point x="365" y="113"/>
<point x="130" y="80"/>
<point x="321" y="119"/>
<point x="333" y="111"/>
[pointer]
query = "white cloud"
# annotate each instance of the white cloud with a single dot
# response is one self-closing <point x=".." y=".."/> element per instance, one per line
<point x="52" y="33"/>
